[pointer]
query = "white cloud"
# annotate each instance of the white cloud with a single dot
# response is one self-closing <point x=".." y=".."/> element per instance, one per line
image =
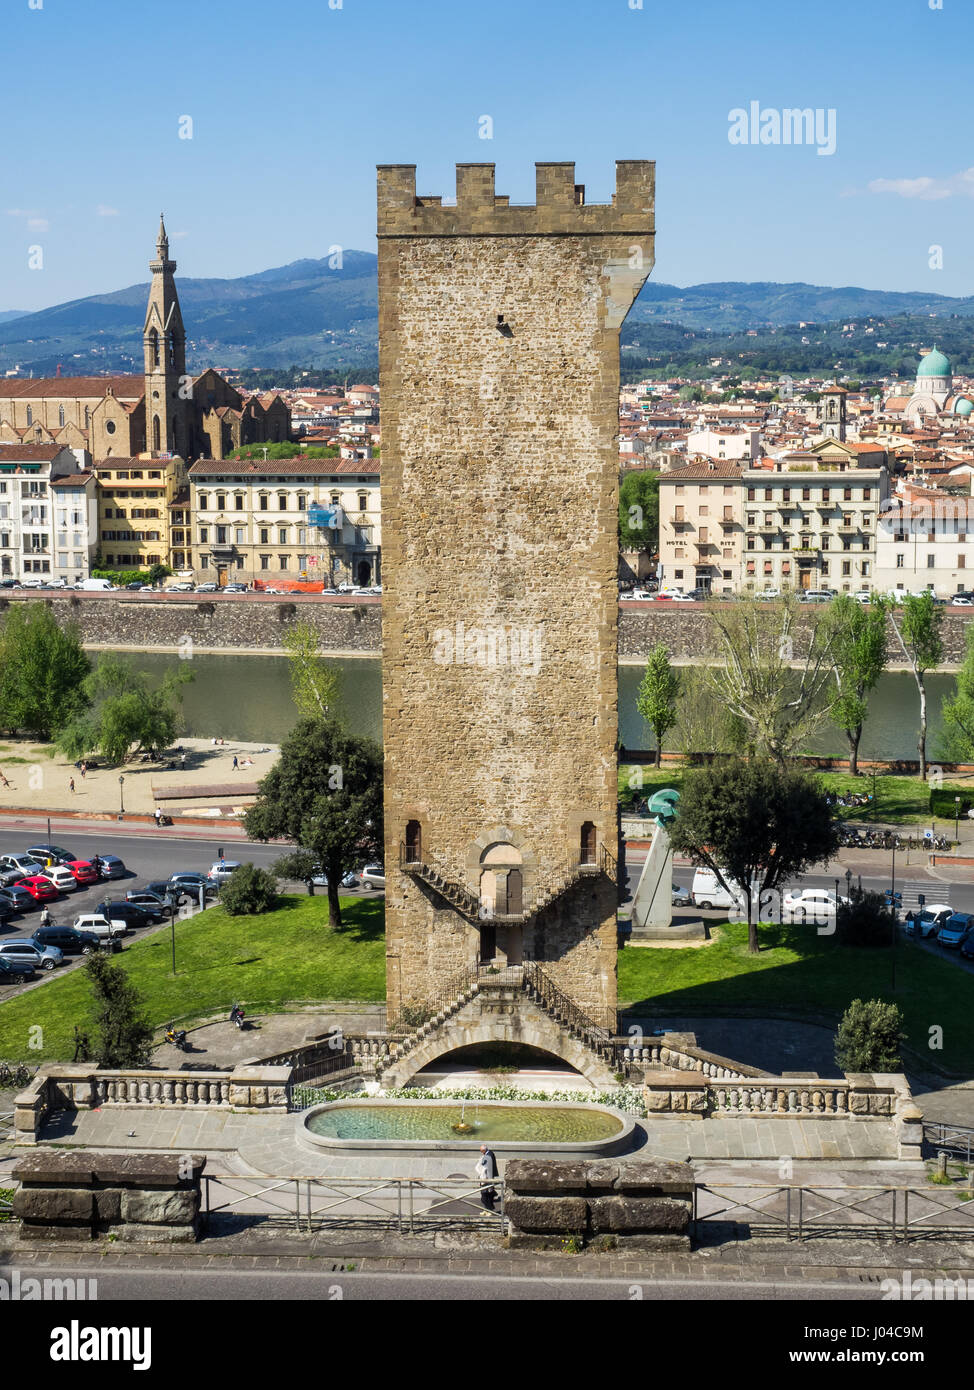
<point x="102" y="210"/>
<point x="926" y="188"/>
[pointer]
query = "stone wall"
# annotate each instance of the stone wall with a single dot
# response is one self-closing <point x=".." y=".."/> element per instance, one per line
<point x="642" y="1204"/>
<point x="131" y="1197"/>
<point x="499" y="364"/>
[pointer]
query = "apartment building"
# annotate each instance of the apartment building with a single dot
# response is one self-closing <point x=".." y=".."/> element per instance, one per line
<point x="733" y="444"/>
<point x="27" y="508"/>
<point x="286" y="521"/>
<point x="134" y="497"/>
<point x="810" y="521"/>
<point x="700" y="530"/>
<point x="75" y="536"/>
<point x="924" y="540"/>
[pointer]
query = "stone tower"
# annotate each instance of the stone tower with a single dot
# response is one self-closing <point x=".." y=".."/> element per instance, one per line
<point x="167" y="415"/>
<point x="499" y="358"/>
<point x="832" y="412"/>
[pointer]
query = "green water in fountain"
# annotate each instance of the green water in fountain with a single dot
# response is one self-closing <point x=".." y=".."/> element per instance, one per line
<point x="413" y="1120"/>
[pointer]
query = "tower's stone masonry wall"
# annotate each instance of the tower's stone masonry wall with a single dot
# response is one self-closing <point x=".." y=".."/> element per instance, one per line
<point x="500" y="613"/>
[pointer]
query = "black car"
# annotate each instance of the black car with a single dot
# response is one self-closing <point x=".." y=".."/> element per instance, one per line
<point x="125" y="912"/>
<point x="192" y="882"/>
<point x="165" y="891"/>
<point x="14" y="899"/>
<point x="967" y="946"/>
<point x="66" y="939"/>
<point x="157" y="908"/>
<point x="14" y="972"/>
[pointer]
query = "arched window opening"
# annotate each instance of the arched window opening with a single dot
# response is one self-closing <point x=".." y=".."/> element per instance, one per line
<point x="587" y="842"/>
<point x="414" y="842"/>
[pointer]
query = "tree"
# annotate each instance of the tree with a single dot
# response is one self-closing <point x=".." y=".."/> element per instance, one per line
<point x="704" y="725"/>
<point x="124" y="1037"/>
<point x="158" y="572"/>
<point x="865" y="920"/>
<point x="780" y="697"/>
<point x="755" y="823"/>
<point x="858" y="656"/>
<point x="657" y="696"/>
<point x="42" y="671"/>
<point x="301" y="866"/>
<point x="125" y="712"/>
<point x="639" y="511"/>
<point x="325" y="795"/>
<point x="957" y="711"/>
<point x="869" y="1037"/>
<point x="314" y="685"/>
<point x="249" y="891"/>
<point x="918" y="633"/>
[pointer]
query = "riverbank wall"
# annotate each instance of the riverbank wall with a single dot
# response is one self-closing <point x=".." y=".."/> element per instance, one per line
<point x="255" y="623"/>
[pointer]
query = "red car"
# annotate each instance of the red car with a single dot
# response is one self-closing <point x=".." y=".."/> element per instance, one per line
<point x="42" y="890"/>
<point x="82" y="870"/>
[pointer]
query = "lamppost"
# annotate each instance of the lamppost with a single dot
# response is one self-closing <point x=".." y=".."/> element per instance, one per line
<point x="874" y="794"/>
<point x="121" y="797"/>
<point x="956" y="819"/>
<point x="172" y="930"/>
<point x="848" y="883"/>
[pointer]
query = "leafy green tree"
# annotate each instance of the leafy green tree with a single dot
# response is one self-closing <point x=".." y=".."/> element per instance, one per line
<point x="858" y="656"/>
<point x="957" y="711"/>
<point x="869" y="1037"/>
<point x="42" y="671"/>
<point x="325" y="795"/>
<point x="314" y="684"/>
<point x="287" y="451"/>
<point x="657" y="696"/>
<point x="756" y="823"/>
<point x="125" y="712"/>
<point x="918" y="633"/>
<point x="774" y="677"/>
<point x="865" y="920"/>
<point x="124" y="1036"/>
<point x="301" y="866"/>
<point x="249" y="891"/>
<point x="639" y="511"/>
<point x="158" y="572"/>
<point x="704" y="725"/>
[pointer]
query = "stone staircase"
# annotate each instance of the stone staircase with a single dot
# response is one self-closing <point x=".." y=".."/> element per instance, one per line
<point x="468" y="905"/>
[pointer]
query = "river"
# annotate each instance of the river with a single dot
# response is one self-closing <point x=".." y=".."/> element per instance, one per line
<point x="249" y="698"/>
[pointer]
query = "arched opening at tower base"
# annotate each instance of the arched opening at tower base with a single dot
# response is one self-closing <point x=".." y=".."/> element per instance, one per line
<point x="501" y="1063"/>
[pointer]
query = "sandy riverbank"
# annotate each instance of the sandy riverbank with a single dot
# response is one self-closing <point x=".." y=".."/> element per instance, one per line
<point x="37" y="781"/>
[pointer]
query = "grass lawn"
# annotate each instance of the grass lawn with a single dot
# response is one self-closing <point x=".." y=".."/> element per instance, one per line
<point x="264" y="962"/>
<point x="800" y="971"/>
<point x="900" y="799"/>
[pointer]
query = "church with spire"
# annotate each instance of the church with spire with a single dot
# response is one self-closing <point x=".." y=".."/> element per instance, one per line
<point x="166" y="412"/>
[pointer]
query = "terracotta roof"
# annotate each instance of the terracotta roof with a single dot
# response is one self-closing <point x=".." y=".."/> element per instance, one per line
<point x="29" y="453"/>
<point x="71" y="387"/>
<point x="72" y="480"/>
<point x="706" y="470"/>
<point x="295" y="467"/>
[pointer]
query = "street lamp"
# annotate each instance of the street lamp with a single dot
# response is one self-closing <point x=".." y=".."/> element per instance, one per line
<point x="172" y="930"/>
<point x="121" y="797"/>
<point x="956" y="820"/>
<point x="848" y="883"/>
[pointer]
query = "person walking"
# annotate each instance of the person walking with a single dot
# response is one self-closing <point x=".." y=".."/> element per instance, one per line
<point x="84" y="769"/>
<point x="158" y="815"/>
<point x="486" y="1171"/>
<point x="71" y="785"/>
<point x="236" y="765"/>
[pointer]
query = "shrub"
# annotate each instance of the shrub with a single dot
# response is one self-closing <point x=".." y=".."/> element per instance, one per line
<point x="865" y="921"/>
<point x="869" y="1037"/>
<point x="943" y="807"/>
<point x="124" y="1037"/>
<point x="249" y="891"/>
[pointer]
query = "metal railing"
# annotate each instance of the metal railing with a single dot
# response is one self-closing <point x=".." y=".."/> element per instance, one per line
<point x="958" y="1139"/>
<point x="445" y="1001"/>
<point x="575" y="1018"/>
<point x="805" y="1211"/>
<point x="6" y="1127"/>
<point x="306" y="1203"/>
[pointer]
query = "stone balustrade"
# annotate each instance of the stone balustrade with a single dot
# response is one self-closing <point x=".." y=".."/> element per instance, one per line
<point x="81" y="1086"/>
<point x="679" y="1052"/>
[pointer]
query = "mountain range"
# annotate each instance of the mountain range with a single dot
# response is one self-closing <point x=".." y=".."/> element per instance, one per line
<point x="318" y="314"/>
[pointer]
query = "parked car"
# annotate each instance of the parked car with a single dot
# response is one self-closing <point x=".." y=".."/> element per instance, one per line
<point x="235" y="588"/>
<point x="193" y="882"/>
<point x="112" y="866"/>
<point x="63" y="879"/>
<point x="680" y="897"/>
<point x="41" y="889"/>
<point x="15" y="972"/>
<point x="960" y="601"/>
<point x="97" y="925"/>
<point x="130" y="914"/>
<point x="50" y="854"/>
<point x="162" y="889"/>
<point x="68" y="941"/>
<point x="927" y="920"/>
<point x="208" y="588"/>
<point x="14" y="867"/>
<point x="181" y="588"/>
<point x="811" y="902"/>
<point x="83" y="871"/>
<point x="708" y="891"/>
<point x="152" y="903"/>
<point x="14" y="899"/>
<point x="967" y="946"/>
<point x="953" y="931"/>
<point x="222" y="869"/>
<point x="41" y="956"/>
<point x="373" y="876"/>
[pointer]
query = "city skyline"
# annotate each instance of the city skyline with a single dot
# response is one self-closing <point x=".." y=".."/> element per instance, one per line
<point x="248" y="183"/>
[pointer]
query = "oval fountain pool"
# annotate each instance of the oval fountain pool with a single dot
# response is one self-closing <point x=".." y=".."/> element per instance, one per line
<point x="513" y="1127"/>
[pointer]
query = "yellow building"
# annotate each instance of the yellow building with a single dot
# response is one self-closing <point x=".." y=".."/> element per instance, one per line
<point x="135" y="498"/>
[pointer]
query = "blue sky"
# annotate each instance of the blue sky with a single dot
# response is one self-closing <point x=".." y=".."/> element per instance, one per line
<point x="294" y="104"/>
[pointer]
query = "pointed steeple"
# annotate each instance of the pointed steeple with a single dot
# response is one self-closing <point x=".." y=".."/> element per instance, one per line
<point x="162" y="241"/>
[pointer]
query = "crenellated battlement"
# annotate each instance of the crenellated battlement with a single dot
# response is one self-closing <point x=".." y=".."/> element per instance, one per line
<point x="560" y="206"/>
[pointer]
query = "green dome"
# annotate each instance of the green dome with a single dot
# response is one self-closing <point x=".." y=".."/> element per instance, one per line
<point x="963" y="406"/>
<point x="934" y="364"/>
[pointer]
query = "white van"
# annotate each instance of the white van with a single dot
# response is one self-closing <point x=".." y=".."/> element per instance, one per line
<point x="708" y="891"/>
<point x="95" y="585"/>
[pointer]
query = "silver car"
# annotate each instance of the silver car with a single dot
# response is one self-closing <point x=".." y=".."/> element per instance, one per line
<point x="40" y="957"/>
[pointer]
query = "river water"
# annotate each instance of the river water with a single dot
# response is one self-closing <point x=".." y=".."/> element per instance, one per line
<point x="249" y="698"/>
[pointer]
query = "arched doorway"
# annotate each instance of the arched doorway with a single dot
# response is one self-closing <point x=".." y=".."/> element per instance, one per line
<point x="363" y="574"/>
<point x="414" y="842"/>
<point x="156" y="434"/>
<point x="501" y="898"/>
<point x="587" y="842"/>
